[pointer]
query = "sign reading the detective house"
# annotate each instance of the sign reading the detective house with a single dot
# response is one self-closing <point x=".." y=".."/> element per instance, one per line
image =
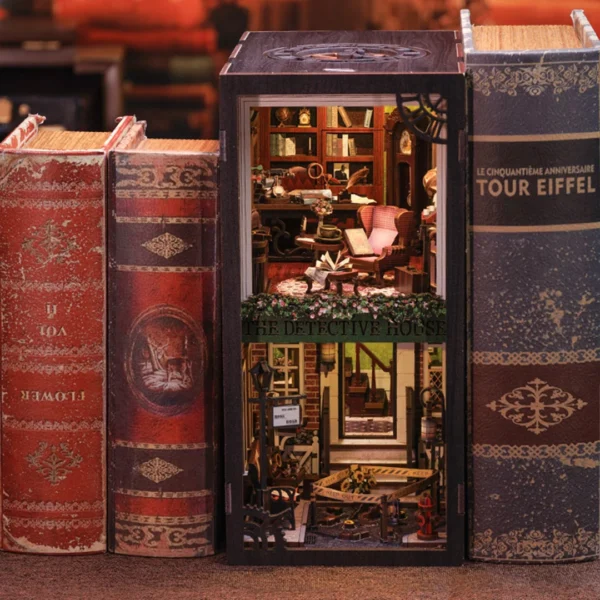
<point x="287" y="416"/>
<point x="340" y="330"/>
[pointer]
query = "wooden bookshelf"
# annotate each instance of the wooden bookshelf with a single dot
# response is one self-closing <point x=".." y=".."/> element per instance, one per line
<point x="368" y="142"/>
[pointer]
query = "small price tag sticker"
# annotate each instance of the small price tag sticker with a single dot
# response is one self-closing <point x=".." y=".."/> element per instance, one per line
<point x="287" y="416"/>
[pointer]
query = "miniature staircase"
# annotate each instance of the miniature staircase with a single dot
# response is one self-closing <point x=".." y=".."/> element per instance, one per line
<point x="362" y="396"/>
<point x="342" y="456"/>
<point x="379" y="405"/>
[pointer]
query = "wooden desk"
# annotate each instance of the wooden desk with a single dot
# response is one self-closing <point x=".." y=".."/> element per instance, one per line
<point x="284" y="220"/>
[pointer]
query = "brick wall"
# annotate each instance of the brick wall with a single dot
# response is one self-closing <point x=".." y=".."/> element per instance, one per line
<point x="311" y="385"/>
<point x="258" y="352"/>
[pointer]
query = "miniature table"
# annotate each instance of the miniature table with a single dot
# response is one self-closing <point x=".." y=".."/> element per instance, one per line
<point x="308" y="242"/>
<point x="338" y="278"/>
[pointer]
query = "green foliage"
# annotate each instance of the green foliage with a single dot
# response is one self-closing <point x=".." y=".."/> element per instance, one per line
<point x="322" y="306"/>
<point x="359" y="481"/>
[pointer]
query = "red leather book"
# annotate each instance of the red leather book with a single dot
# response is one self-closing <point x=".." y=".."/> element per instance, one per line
<point x="163" y="346"/>
<point x="52" y="274"/>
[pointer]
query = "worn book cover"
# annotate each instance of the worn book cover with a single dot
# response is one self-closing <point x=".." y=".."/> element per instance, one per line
<point x="358" y="242"/>
<point x="535" y="290"/>
<point x="164" y="350"/>
<point x="52" y="273"/>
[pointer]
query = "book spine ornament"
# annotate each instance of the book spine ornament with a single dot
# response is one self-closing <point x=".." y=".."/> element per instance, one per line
<point x="163" y="353"/>
<point x="535" y="301"/>
<point x="52" y="310"/>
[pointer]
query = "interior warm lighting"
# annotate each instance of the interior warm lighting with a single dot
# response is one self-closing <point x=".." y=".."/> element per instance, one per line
<point x="328" y="357"/>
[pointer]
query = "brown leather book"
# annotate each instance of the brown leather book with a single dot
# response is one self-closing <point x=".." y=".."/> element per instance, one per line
<point x="163" y="346"/>
<point x="52" y="272"/>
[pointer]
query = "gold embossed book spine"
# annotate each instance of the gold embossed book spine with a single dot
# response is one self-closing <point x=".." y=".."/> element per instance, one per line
<point x="52" y="272"/>
<point x="535" y="291"/>
<point x="163" y="346"/>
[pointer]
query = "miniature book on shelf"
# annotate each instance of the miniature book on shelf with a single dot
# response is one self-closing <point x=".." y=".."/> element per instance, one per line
<point x="163" y="340"/>
<point x="52" y="265"/>
<point x="535" y="227"/>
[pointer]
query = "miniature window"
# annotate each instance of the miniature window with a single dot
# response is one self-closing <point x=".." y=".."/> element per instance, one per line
<point x="287" y="360"/>
<point x="434" y="367"/>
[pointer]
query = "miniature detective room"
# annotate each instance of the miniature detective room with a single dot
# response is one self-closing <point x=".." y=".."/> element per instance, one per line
<point x="343" y="210"/>
<point x="344" y="419"/>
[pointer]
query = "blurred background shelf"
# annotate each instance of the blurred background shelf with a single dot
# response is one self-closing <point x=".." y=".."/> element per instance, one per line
<point x="88" y="61"/>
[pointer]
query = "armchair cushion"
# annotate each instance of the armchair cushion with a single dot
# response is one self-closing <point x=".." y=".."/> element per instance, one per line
<point x="381" y="237"/>
<point x="364" y="259"/>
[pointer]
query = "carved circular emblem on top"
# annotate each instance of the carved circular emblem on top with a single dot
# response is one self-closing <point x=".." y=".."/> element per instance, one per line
<point x="346" y="52"/>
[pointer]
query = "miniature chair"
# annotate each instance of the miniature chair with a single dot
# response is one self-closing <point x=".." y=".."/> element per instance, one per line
<point x="390" y="231"/>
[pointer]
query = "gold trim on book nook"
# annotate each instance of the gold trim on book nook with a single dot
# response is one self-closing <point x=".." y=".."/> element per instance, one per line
<point x="156" y="520"/>
<point x="146" y="269"/>
<point x="542" y="137"/>
<point x="534" y="228"/>
<point x="145" y="446"/>
<point x="168" y="220"/>
<point x="147" y="494"/>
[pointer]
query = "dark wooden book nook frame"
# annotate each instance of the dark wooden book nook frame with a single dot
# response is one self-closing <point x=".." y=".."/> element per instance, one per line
<point x="444" y="76"/>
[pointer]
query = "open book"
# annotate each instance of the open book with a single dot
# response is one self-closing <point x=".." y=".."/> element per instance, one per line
<point x="325" y="265"/>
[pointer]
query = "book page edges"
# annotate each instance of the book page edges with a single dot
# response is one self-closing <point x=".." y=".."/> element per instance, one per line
<point x="23" y="136"/>
<point x="136" y="141"/>
<point x="580" y="41"/>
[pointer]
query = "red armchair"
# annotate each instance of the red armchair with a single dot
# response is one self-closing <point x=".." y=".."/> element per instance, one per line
<point x="390" y="231"/>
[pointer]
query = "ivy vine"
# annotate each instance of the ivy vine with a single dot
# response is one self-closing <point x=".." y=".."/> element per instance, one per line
<point x="322" y="306"/>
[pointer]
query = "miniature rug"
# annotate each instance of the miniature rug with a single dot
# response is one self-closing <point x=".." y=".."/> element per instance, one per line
<point x="296" y="286"/>
<point x="370" y="425"/>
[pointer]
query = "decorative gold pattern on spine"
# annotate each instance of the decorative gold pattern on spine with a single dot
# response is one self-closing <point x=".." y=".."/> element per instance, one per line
<point x="147" y="269"/>
<point x="543" y="452"/>
<point x="147" y="494"/>
<point x="159" y="520"/>
<point x="535" y="358"/>
<point x="147" y="446"/>
<point x="166" y="220"/>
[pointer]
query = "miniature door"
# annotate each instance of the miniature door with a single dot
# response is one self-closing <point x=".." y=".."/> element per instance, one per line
<point x="344" y="419"/>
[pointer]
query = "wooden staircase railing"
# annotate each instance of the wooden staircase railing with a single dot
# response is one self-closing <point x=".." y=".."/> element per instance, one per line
<point x="374" y="362"/>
